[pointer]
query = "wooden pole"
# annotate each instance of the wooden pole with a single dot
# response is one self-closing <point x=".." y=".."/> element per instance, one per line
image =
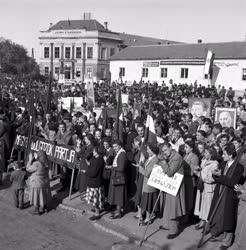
<point x="145" y="231"/>
<point x="71" y="184"/>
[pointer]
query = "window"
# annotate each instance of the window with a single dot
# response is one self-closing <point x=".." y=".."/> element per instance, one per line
<point x="67" y="52"/>
<point x="78" y="72"/>
<point x="244" y="75"/>
<point x="78" y="52"/>
<point x="46" y="71"/>
<point x="184" y="73"/>
<point x="57" y="52"/>
<point x="112" y="51"/>
<point x="145" y="72"/>
<point x="163" y="72"/>
<point x="67" y="72"/>
<point x="57" y="70"/>
<point x="89" y="52"/>
<point x="46" y="52"/>
<point x="103" y="53"/>
<point x="122" y="72"/>
<point x="89" y="72"/>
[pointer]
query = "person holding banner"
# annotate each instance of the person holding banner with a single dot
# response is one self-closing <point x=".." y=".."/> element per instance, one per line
<point x="149" y="194"/>
<point x="173" y="206"/>
<point x="40" y="193"/>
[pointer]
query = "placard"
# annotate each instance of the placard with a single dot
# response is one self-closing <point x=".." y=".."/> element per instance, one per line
<point x="124" y="98"/>
<point x="161" y="181"/>
<point x="226" y="117"/>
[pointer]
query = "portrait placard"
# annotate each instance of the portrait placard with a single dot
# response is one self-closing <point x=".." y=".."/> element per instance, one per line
<point x="161" y="181"/>
<point x="200" y="107"/>
<point x="226" y="117"/>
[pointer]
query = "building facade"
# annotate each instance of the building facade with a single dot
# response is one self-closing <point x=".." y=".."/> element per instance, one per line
<point x="182" y="63"/>
<point x="79" y="50"/>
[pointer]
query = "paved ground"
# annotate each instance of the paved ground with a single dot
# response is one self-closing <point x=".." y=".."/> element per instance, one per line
<point x="55" y="230"/>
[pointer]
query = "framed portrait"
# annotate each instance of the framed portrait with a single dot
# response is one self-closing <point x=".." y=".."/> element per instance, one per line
<point x="200" y="107"/>
<point x="226" y="117"/>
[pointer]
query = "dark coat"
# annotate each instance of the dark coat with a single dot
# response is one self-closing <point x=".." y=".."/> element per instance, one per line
<point x="94" y="172"/>
<point x="118" y="194"/>
<point x="17" y="178"/>
<point x="224" y="219"/>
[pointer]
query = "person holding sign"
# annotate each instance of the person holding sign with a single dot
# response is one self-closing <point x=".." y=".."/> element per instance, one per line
<point x="150" y="194"/>
<point x="173" y="206"/>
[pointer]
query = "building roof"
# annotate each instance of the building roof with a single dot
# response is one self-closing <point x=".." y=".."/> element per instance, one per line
<point x="228" y="50"/>
<point x="94" y="25"/>
<point x="135" y="40"/>
<point x="89" y="25"/>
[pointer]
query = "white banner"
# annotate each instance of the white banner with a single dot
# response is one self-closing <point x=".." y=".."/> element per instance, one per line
<point x="161" y="181"/>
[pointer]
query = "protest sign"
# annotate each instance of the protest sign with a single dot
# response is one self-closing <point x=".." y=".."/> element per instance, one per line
<point x="199" y="107"/>
<point x="124" y="98"/>
<point x="59" y="154"/>
<point x="161" y="181"/>
<point x="78" y="101"/>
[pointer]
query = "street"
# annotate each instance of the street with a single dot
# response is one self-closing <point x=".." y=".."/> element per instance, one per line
<point x="55" y="230"/>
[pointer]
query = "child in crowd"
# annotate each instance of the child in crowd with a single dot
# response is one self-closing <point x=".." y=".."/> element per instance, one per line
<point x="18" y="177"/>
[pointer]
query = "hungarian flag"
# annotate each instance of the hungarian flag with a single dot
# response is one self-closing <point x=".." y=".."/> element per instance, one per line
<point x="150" y="134"/>
<point x="119" y="118"/>
<point x="209" y="62"/>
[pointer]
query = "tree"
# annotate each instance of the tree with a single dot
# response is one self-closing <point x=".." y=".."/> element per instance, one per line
<point x="15" y="61"/>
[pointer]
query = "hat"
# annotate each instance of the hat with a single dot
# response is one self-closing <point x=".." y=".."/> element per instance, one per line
<point x="67" y="117"/>
<point x="78" y="114"/>
<point x="153" y="148"/>
<point x="138" y="119"/>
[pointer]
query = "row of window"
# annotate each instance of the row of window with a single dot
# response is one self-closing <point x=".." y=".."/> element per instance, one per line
<point x="68" y="72"/>
<point x="78" y="52"/>
<point x="163" y="72"/>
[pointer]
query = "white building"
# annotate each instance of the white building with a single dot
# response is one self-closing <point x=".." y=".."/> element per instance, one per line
<point x="76" y="50"/>
<point x="183" y="63"/>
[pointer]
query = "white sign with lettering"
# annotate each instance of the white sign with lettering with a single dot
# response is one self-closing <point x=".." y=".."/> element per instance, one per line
<point x="161" y="181"/>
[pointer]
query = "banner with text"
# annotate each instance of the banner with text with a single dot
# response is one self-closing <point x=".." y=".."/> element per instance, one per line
<point x="161" y="181"/>
<point x="60" y="154"/>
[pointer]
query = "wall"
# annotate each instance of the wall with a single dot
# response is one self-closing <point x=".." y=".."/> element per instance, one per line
<point x="227" y="73"/>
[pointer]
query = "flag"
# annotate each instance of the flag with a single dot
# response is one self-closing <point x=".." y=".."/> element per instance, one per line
<point x="119" y="118"/>
<point x="90" y="94"/>
<point x="209" y="62"/>
<point x="150" y="134"/>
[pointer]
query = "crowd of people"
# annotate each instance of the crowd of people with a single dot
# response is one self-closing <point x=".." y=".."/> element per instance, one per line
<point x="112" y="172"/>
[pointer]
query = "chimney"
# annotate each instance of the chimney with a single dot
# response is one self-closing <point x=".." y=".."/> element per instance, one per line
<point x="199" y="41"/>
<point x="106" y="25"/>
<point x="32" y="52"/>
<point x="87" y="16"/>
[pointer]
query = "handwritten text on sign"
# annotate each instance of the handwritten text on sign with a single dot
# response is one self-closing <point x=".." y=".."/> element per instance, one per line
<point x="161" y="181"/>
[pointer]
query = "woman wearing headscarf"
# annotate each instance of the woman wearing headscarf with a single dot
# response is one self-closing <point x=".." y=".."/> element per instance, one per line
<point x="40" y="193"/>
<point x="150" y="194"/>
<point x="117" y="188"/>
<point x="205" y="190"/>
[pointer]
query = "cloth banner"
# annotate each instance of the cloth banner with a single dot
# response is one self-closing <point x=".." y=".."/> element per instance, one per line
<point x="161" y="181"/>
<point x="59" y="154"/>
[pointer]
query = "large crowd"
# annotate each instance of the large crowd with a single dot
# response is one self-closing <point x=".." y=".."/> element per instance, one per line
<point x="112" y="172"/>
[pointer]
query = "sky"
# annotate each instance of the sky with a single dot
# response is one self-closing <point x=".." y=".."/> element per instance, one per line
<point x="177" y="20"/>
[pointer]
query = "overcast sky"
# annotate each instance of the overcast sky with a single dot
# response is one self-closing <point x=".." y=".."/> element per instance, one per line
<point x="180" y="20"/>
